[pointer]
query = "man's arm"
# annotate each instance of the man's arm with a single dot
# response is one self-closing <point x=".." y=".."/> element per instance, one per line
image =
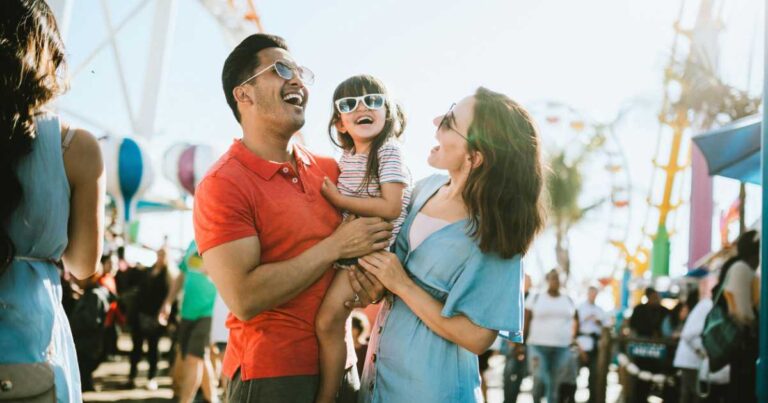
<point x="249" y="287"/>
<point x="528" y="315"/>
<point x="575" y="325"/>
<point x="170" y="298"/>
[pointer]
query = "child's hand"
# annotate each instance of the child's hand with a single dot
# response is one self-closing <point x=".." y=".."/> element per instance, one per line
<point x="330" y="191"/>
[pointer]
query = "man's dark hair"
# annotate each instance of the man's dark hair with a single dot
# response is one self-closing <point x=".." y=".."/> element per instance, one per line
<point x="748" y="244"/>
<point x="242" y="61"/>
<point x="650" y="291"/>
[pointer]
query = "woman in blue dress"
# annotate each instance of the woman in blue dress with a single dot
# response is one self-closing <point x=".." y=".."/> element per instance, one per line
<point x="52" y="182"/>
<point x="455" y="276"/>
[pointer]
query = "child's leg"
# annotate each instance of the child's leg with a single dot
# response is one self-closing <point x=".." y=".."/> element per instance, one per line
<point x="329" y="326"/>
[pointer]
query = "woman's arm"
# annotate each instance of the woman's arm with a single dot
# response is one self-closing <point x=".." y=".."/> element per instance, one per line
<point x="388" y="206"/>
<point x="85" y="172"/>
<point x="575" y="325"/>
<point x="527" y="324"/>
<point x="458" y="329"/>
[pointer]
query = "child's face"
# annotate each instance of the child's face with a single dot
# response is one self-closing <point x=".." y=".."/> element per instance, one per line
<point x="362" y="124"/>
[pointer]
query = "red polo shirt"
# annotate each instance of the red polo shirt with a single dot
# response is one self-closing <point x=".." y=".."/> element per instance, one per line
<point x="243" y="195"/>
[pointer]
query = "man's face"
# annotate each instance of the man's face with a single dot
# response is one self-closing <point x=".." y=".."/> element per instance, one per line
<point x="553" y="280"/>
<point x="271" y="99"/>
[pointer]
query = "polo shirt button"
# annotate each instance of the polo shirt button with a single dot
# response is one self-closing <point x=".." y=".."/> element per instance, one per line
<point x="295" y="180"/>
<point x="374" y="358"/>
<point x="380" y="327"/>
<point x="371" y="387"/>
<point x="285" y="170"/>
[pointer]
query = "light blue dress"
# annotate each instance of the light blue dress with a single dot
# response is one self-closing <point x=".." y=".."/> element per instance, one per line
<point x="406" y="360"/>
<point x="33" y="326"/>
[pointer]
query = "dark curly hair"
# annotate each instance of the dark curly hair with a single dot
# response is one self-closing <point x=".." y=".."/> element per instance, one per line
<point x="31" y="56"/>
<point x="242" y="62"/>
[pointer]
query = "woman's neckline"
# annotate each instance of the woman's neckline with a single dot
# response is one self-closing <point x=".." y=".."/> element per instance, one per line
<point x="436" y="219"/>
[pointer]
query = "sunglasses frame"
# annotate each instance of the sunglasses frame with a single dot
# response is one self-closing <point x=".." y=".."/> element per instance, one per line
<point x="293" y="69"/>
<point x="446" y="121"/>
<point x="337" y="102"/>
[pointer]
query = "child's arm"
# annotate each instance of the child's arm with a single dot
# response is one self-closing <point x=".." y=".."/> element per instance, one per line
<point x="388" y="206"/>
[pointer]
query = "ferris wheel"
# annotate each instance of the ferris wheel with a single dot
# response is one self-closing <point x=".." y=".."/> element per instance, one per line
<point x="236" y="19"/>
<point x="606" y="184"/>
<point x="132" y="124"/>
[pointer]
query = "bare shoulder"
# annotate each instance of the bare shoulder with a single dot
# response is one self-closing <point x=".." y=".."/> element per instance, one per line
<point x="82" y="159"/>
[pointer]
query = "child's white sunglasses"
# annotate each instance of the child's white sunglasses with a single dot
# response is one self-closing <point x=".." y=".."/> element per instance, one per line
<point x="371" y="101"/>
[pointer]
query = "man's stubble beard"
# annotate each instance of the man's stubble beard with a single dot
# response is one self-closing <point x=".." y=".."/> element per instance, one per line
<point x="278" y="116"/>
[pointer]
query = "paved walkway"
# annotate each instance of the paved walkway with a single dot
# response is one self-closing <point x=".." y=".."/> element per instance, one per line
<point x="111" y="377"/>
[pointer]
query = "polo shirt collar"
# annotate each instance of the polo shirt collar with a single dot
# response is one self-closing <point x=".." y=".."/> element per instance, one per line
<point x="266" y="169"/>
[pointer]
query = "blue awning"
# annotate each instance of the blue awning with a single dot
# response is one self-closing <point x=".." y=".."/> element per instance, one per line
<point x="733" y="151"/>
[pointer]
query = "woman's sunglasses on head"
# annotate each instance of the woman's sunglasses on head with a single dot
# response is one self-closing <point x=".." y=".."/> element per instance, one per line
<point x="286" y="71"/>
<point x="349" y="104"/>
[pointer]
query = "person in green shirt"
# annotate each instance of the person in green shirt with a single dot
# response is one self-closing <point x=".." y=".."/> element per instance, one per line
<point x="194" y="332"/>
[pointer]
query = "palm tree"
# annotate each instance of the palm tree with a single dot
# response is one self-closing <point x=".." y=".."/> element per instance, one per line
<point x="564" y="184"/>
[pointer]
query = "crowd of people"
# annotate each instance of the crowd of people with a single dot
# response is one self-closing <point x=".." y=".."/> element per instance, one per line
<point x="123" y="297"/>
<point x="290" y="244"/>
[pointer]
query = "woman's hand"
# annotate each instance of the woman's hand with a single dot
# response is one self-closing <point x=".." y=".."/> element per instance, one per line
<point x="368" y="290"/>
<point x="386" y="267"/>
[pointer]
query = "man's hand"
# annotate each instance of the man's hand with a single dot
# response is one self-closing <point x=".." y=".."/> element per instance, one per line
<point x="367" y="288"/>
<point x="361" y="237"/>
<point x="165" y="313"/>
<point x="519" y="351"/>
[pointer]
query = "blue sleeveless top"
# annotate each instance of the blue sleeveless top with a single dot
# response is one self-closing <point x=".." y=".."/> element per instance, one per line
<point x="33" y="326"/>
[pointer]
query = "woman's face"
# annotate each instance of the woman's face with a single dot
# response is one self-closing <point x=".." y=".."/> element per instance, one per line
<point x="452" y="152"/>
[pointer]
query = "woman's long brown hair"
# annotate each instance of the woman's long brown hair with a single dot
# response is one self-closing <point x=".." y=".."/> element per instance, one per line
<point x="31" y="56"/>
<point x="504" y="193"/>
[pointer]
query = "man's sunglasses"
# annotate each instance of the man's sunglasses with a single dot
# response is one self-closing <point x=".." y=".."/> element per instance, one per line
<point x="286" y="70"/>
<point x="371" y="101"/>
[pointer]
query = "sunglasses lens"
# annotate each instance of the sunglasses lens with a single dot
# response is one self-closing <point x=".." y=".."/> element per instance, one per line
<point x="346" y="105"/>
<point x="374" y="101"/>
<point x="282" y="69"/>
<point x="306" y="75"/>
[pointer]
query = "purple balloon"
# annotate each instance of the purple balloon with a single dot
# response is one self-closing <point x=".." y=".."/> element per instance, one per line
<point x="187" y="169"/>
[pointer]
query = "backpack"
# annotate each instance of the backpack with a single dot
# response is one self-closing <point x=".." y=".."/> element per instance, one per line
<point x="721" y="334"/>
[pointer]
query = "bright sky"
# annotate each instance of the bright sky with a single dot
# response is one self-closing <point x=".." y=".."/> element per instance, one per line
<point x="596" y="56"/>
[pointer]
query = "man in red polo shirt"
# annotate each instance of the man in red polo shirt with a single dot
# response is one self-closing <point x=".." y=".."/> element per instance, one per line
<point x="268" y="237"/>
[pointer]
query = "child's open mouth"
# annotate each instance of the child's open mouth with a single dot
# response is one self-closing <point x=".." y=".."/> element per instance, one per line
<point x="365" y="120"/>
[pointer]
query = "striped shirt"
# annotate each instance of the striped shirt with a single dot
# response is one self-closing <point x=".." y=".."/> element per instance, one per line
<point x="391" y="170"/>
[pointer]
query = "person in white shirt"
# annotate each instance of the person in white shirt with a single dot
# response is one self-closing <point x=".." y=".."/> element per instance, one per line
<point x="591" y="321"/>
<point x="690" y="355"/>
<point x="551" y="324"/>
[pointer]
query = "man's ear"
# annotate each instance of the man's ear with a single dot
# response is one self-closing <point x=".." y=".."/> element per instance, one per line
<point x="340" y="126"/>
<point x="241" y="95"/>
